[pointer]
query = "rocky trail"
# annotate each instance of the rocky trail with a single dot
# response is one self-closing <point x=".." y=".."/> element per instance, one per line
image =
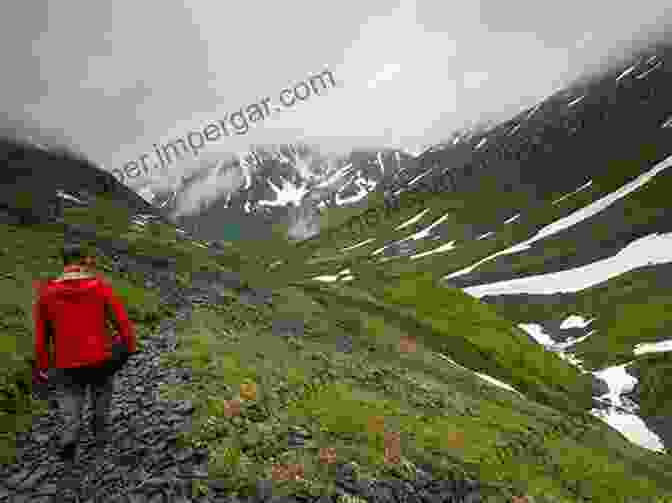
<point x="142" y="461"/>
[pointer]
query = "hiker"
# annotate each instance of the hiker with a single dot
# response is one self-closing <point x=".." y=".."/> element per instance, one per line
<point x="73" y="344"/>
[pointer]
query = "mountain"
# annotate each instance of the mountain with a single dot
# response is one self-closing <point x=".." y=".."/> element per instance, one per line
<point x="256" y="189"/>
<point x="614" y="127"/>
<point x="37" y="181"/>
<point x="559" y="219"/>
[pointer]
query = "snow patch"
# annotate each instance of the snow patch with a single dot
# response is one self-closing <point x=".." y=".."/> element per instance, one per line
<point x="514" y="129"/>
<point x="485" y="377"/>
<point x="427" y="231"/>
<point x="147" y="194"/>
<point x="536" y="331"/>
<point x="442" y="248"/>
<point x="285" y="194"/>
<point x="497" y="382"/>
<point x="357" y="245"/>
<point x="653" y="347"/>
<point x="69" y="197"/>
<point x="573" y="321"/>
<point x="412" y="220"/>
<point x="365" y="187"/>
<point x="514" y="217"/>
<point x="418" y="235"/>
<point x="632" y="427"/>
<point x="648" y="250"/>
<point x="343" y="275"/>
<point x="326" y="278"/>
<point x="621" y="414"/>
<point x="584" y="186"/>
<point x="625" y="73"/>
<point x="335" y="176"/>
<point x="575" y="101"/>
<point x="418" y="177"/>
<point x="380" y="250"/>
<point x="642" y="75"/>
<point x="533" y="111"/>
<point x="576" y="216"/>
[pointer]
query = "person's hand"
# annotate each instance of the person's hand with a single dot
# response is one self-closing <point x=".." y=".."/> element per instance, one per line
<point x="40" y="376"/>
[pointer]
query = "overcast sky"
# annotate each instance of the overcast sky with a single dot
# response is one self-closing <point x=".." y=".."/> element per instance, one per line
<point x="113" y="78"/>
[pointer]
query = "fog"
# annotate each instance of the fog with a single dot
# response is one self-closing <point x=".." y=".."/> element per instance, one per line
<point x="111" y="79"/>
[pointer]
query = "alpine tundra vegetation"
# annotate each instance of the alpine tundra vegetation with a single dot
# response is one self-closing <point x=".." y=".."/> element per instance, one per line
<point x="307" y="357"/>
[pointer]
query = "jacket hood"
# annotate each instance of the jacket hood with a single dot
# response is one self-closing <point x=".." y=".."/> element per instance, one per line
<point x="71" y="283"/>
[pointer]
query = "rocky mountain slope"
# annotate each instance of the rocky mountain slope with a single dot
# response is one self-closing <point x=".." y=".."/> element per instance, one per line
<point x="37" y="182"/>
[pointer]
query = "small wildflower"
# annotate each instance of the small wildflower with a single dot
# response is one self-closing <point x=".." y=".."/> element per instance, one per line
<point x="455" y="439"/>
<point x="287" y="472"/>
<point x="280" y="473"/>
<point x="407" y="345"/>
<point x="393" y="447"/>
<point x="231" y="408"/>
<point x="327" y="455"/>
<point x="376" y="424"/>
<point x="296" y="471"/>
<point x="248" y="391"/>
<point x="391" y="457"/>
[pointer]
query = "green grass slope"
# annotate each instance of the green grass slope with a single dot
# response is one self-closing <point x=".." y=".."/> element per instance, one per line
<point x="539" y="442"/>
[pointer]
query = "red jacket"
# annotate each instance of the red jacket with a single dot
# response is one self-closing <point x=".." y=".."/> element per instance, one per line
<point x="70" y="312"/>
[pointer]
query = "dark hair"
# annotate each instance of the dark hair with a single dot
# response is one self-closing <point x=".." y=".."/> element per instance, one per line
<point x="73" y="253"/>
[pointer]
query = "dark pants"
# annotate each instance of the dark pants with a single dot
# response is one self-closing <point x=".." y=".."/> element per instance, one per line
<point x="72" y="385"/>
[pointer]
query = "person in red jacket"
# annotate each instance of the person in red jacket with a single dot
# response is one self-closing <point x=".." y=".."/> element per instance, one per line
<point x="70" y="318"/>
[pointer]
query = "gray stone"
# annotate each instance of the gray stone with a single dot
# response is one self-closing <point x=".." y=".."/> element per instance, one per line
<point x="288" y="328"/>
<point x="344" y="344"/>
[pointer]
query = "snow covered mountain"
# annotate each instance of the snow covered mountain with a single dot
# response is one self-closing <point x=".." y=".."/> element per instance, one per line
<point x="272" y="184"/>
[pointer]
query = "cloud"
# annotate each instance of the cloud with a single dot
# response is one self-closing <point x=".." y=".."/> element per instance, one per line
<point x="407" y="75"/>
<point x="386" y="74"/>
